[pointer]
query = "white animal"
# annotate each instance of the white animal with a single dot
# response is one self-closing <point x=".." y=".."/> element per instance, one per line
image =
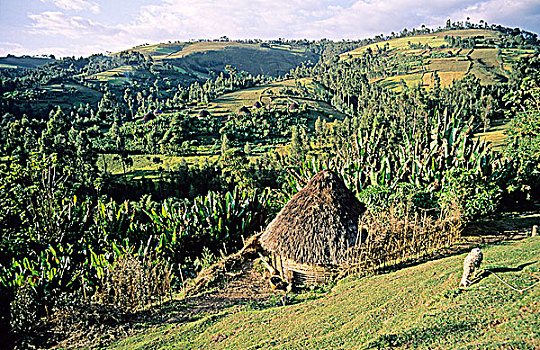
<point x="470" y="265"/>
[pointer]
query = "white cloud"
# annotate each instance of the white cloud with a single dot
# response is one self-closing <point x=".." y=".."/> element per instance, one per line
<point x="313" y="19"/>
<point x="75" y="5"/>
<point x="237" y="18"/>
<point x="12" y="48"/>
<point x="53" y="23"/>
<point x="514" y="13"/>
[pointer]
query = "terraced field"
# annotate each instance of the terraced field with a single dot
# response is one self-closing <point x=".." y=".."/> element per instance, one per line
<point x="487" y="62"/>
<point x="279" y="93"/>
<point x="511" y="55"/>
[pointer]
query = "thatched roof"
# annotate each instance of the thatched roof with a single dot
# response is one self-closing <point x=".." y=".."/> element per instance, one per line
<point x="148" y="117"/>
<point x="293" y="106"/>
<point x="318" y="224"/>
<point x="244" y="109"/>
<point x="204" y="113"/>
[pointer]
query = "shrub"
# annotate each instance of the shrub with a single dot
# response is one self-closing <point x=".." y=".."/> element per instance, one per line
<point x="24" y="309"/>
<point x="473" y="195"/>
<point x="133" y="282"/>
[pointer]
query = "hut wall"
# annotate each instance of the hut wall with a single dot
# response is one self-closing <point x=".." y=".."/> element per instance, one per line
<point x="302" y="274"/>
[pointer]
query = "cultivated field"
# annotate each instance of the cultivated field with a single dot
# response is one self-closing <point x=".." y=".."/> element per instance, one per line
<point x="490" y="64"/>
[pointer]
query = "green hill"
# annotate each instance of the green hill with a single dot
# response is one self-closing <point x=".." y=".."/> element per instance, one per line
<point x="415" y="307"/>
<point x="14" y="62"/>
<point x="447" y="56"/>
<point x="202" y="58"/>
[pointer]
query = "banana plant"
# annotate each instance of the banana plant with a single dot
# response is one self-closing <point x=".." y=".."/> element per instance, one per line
<point x="421" y="158"/>
<point x="210" y="221"/>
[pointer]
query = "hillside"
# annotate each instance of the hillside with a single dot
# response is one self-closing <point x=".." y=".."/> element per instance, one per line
<point x="202" y="58"/>
<point x="446" y="56"/>
<point x="128" y="181"/>
<point x="415" y="307"/>
<point x="14" y="62"/>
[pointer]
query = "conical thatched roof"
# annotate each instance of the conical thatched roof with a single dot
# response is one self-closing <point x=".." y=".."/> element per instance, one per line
<point x="293" y="106"/>
<point x="204" y="113"/>
<point x="244" y="110"/>
<point x="318" y="224"/>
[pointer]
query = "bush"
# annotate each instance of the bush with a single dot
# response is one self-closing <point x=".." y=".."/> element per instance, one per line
<point x="24" y="309"/>
<point x="468" y="192"/>
<point x="133" y="282"/>
<point x="523" y="141"/>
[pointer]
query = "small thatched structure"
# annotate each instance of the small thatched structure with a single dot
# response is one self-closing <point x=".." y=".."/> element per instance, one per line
<point x="244" y="110"/>
<point x="204" y="113"/>
<point x="313" y="233"/>
<point x="148" y="117"/>
<point x="293" y="106"/>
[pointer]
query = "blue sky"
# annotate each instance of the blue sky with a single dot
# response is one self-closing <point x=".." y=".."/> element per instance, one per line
<point x="84" y="27"/>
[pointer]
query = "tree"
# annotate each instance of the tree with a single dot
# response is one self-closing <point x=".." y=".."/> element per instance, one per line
<point x="224" y="144"/>
<point x="247" y="149"/>
<point x="523" y="141"/>
<point x="73" y="148"/>
<point x="297" y="149"/>
<point x="318" y="127"/>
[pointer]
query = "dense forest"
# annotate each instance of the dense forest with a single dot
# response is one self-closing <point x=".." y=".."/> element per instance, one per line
<point x="80" y="220"/>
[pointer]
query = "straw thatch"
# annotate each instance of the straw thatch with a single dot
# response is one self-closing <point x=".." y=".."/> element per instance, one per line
<point x="244" y="110"/>
<point x="148" y="117"/>
<point x="318" y="225"/>
<point x="204" y="113"/>
<point x="293" y="106"/>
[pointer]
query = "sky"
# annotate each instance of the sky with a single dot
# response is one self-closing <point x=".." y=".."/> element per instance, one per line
<point x="85" y="27"/>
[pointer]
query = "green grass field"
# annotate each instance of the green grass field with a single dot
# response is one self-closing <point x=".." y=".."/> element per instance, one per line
<point x="495" y="135"/>
<point x="418" y="307"/>
<point x="395" y="83"/>
<point x="269" y="94"/>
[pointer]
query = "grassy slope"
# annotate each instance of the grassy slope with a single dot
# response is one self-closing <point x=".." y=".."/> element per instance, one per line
<point x="200" y="58"/>
<point x="23" y="62"/>
<point x="416" y="307"/>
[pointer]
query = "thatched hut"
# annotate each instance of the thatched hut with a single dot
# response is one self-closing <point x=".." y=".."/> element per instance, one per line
<point x="312" y="235"/>
<point x="149" y="117"/>
<point x="293" y="106"/>
<point x="244" y="110"/>
<point x="203" y="113"/>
